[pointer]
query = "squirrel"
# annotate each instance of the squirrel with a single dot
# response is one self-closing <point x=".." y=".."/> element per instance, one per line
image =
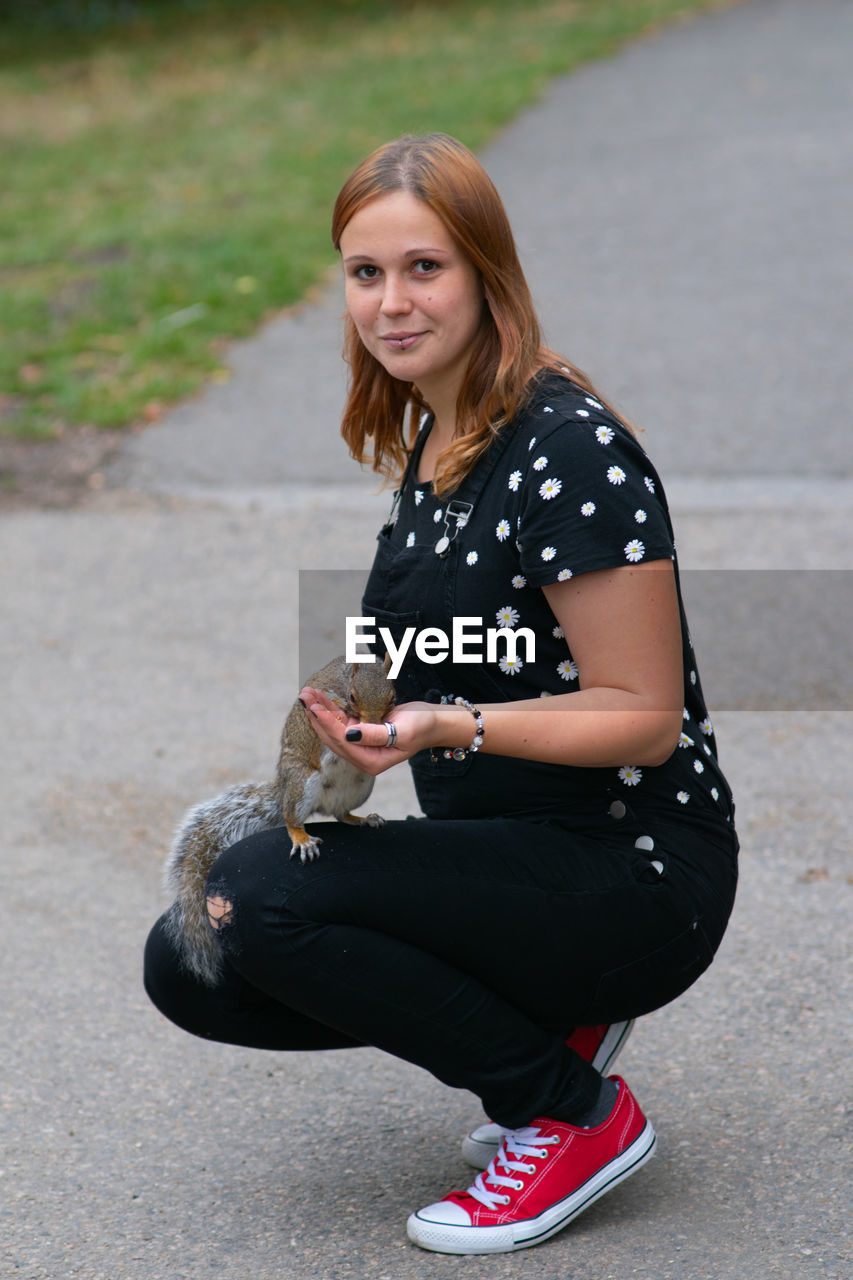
<point x="309" y="779"/>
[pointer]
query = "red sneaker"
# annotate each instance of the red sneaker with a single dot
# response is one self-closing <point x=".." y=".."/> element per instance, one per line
<point x="600" y="1046"/>
<point x="565" y="1170"/>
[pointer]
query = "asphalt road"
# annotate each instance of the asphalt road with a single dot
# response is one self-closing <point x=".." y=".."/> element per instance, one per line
<point x="684" y="212"/>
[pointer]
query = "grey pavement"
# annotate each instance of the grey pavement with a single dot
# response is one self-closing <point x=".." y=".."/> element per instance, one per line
<point x="683" y="209"/>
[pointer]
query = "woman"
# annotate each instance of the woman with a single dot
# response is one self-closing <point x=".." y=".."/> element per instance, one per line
<point x="577" y="864"/>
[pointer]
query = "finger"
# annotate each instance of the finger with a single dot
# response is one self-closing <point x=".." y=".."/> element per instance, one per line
<point x="315" y="701"/>
<point x="372" y="735"/>
<point x="309" y="694"/>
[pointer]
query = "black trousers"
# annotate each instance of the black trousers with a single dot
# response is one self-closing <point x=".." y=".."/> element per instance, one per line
<point x="471" y="947"/>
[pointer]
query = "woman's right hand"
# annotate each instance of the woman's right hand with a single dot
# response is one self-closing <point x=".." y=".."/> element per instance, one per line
<point x="366" y="745"/>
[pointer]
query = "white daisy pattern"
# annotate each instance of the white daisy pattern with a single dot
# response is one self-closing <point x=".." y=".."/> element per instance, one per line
<point x="596" y="404"/>
<point x="630" y="775"/>
<point x="419" y="497"/>
<point x="540" y="464"/>
<point x="436" y="515"/>
<point x="471" y="557"/>
<point x="410" y="540"/>
<point x="567" y="670"/>
<point x="564" y="575"/>
<point x="616" y="475"/>
<point x="514" y="480"/>
<point x="558" y="633"/>
<point x="604" y="434"/>
<point x="519" y="581"/>
<point x="640" y="516"/>
<point x="532" y="443"/>
<point x="549" y="489"/>
<point x="548" y="553"/>
<point x="510" y="666"/>
<point x="507" y="616"/>
<point x="706" y="727"/>
<point x="635" y="550"/>
<point x="649" y="483"/>
<point x="588" y="509"/>
<point x="683" y="797"/>
<point x="502" y="531"/>
<point x="698" y="766"/>
<point x="582" y="413"/>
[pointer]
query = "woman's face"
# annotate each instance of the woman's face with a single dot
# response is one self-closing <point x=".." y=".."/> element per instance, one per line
<point x="415" y="299"/>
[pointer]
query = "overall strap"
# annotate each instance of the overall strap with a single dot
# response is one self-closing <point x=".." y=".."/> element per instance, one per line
<point x="460" y="508"/>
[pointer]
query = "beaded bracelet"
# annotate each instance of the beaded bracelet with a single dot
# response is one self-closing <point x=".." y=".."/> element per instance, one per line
<point x="459" y="753"/>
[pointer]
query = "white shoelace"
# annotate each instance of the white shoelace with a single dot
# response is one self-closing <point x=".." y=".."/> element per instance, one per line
<point x="518" y="1142"/>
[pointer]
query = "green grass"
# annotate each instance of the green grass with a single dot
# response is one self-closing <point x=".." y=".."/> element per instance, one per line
<point x="169" y="169"/>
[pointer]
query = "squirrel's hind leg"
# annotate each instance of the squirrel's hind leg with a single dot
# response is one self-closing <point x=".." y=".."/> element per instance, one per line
<point x="308" y="847"/>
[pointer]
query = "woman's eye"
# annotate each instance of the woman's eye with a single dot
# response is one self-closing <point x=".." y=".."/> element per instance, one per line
<point x="425" y="266"/>
<point x="366" y="272"/>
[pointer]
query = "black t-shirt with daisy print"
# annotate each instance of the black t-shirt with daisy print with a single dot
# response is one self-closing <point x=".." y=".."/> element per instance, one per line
<point x="566" y="490"/>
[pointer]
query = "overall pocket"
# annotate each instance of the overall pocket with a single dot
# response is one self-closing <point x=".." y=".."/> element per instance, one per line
<point x="407" y="684"/>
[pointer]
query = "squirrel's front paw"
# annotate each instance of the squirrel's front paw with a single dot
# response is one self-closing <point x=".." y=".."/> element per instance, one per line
<point x="369" y="820"/>
<point x="308" y="847"/>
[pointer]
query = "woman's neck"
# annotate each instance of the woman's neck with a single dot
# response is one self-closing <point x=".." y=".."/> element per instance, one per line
<point x="439" y="439"/>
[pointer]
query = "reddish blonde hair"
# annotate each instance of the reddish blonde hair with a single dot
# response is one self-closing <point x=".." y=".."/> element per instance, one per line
<point x="508" y="353"/>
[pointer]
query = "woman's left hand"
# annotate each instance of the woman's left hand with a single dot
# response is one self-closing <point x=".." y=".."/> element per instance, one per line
<point x="370" y="752"/>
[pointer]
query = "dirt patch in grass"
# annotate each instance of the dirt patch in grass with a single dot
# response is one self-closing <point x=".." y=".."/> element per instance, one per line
<point x="55" y="474"/>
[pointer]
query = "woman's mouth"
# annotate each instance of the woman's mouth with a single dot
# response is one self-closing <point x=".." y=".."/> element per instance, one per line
<point x="400" y="341"/>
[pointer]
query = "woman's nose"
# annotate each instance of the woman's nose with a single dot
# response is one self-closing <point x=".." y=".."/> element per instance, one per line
<point x="395" y="297"/>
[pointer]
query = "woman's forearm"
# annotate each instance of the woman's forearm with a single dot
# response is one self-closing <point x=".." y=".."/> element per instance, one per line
<point x="592" y="728"/>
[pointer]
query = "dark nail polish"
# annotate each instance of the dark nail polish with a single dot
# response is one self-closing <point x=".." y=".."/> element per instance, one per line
<point x="353" y="735"/>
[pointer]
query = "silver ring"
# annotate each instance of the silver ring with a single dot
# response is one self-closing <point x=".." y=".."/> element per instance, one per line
<point x="392" y="733"/>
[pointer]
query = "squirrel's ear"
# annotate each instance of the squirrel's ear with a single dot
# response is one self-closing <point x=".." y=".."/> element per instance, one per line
<point x="387" y="663"/>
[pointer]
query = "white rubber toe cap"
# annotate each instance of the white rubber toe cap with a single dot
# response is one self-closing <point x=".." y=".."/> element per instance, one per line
<point x="447" y="1212"/>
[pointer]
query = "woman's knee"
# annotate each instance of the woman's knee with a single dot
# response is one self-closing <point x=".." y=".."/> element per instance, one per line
<point x="249" y="869"/>
<point x="252" y="883"/>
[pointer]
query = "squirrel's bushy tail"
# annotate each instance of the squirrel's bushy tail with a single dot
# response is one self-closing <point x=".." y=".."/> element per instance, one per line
<point x="207" y="830"/>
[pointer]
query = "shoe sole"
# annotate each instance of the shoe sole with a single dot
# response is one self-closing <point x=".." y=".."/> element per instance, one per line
<point x="612" y="1045"/>
<point x="480" y="1154"/>
<point x="507" y="1238"/>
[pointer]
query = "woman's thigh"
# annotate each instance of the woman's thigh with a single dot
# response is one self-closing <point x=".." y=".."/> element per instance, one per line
<point x="567" y="926"/>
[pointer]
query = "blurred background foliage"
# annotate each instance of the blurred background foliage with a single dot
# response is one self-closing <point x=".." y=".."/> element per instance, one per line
<point x="169" y="165"/>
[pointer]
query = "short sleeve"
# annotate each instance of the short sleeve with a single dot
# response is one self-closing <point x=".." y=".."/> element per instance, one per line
<point x="589" y="499"/>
